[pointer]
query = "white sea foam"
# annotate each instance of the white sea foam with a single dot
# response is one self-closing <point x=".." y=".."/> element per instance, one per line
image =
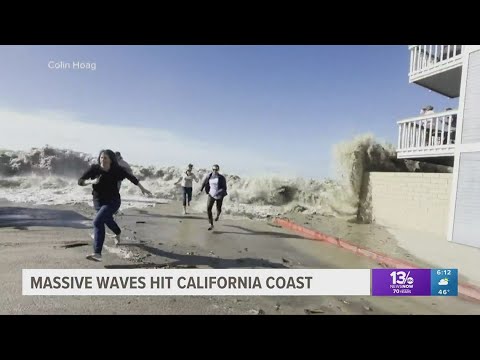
<point x="49" y="176"/>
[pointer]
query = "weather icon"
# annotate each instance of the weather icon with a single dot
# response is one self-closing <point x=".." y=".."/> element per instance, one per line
<point x="443" y="281"/>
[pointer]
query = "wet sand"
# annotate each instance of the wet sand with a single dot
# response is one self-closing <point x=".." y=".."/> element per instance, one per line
<point x="370" y="236"/>
<point x="160" y="237"/>
<point x="424" y="249"/>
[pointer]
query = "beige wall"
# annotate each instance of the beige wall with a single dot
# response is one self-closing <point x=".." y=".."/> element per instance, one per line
<point x="411" y="200"/>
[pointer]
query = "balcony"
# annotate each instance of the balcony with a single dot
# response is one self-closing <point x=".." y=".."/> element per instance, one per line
<point x="437" y="68"/>
<point x="428" y="136"/>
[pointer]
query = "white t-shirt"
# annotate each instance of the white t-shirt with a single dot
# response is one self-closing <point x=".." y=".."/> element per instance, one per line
<point x="214" y="186"/>
<point x="187" y="180"/>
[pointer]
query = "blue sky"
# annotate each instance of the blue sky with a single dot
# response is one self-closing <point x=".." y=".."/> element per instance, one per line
<point x="253" y="109"/>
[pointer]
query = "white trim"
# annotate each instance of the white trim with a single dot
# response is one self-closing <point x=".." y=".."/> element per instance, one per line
<point x="463" y="148"/>
<point x="424" y="60"/>
<point x="458" y="140"/>
<point x="414" y="142"/>
<point x="427" y="153"/>
<point x="471" y="48"/>
<point x="436" y="69"/>
<point x="429" y="116"/>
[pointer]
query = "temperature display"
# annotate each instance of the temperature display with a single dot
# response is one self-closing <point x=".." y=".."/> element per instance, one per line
<point x="414" y="282"/>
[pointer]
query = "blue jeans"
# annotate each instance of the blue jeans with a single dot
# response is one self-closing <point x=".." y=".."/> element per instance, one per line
<point x="187" y="193"/>
<point x="105" y="211"/>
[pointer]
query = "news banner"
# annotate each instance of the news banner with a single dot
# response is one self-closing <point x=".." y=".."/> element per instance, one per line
<point x="249" y="282"/>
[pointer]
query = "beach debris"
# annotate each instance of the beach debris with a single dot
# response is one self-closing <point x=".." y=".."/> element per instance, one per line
<point x="161" y="266"/>
<point x="140" y="222"/>
<point x="74" y="245"/>
<point x="286" y="261"/>
<point x="190" y="253"/>
<point x="257" y="312"/>
<point x="345" y="302"/>
<point x="299" y="208"/>
<point x="277" y="306"/>
<point x="246" y="249"/>
<point x="367" y="308"/>
<point x="313" y="311"/>
<point x="21" y="228"/>
<point x="184" y="266"/>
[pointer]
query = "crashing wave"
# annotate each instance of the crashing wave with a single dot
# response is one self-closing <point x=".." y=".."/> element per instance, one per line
<point x="49" y="176"/>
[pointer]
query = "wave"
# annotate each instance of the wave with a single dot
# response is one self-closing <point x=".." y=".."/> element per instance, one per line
<point x="49" y="176"/>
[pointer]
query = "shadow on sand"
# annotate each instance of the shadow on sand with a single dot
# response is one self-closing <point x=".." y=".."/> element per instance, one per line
<point x="21" y="218"/>
<point x="186" y="261"/>
<point x="247" y="231"/>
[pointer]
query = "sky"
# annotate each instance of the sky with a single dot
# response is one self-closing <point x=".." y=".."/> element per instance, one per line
<point x="254" y="110"/>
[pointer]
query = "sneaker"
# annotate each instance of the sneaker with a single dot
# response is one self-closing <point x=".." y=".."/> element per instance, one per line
<point x="116" y="239"/>
<point x="216" y="219"/>
<point x="95" y="257"/>
<point x="211" y="227"/>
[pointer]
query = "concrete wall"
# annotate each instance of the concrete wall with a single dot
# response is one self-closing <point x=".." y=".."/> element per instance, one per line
<point x="417" y="201"/>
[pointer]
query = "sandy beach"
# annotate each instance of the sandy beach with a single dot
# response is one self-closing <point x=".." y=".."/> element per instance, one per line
<point x="158" y="236"/>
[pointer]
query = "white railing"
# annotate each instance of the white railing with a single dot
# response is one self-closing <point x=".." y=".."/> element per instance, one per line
<point x="432" y="133"/>
<point x="427" y="58"/>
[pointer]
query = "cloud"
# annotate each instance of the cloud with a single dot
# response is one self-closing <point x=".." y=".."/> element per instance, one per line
<point x="142" y="146"/>
<point x="443" y="282"/>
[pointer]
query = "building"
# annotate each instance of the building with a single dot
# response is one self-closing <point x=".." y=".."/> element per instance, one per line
<point x="449" y="137"/>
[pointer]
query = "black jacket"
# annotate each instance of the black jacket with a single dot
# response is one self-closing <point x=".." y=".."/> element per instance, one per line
<point x="107" y="187"/>
<point x="222" y="185"/>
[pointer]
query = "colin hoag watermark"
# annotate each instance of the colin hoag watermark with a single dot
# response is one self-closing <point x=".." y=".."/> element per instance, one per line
<point x="72" y="65"/>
